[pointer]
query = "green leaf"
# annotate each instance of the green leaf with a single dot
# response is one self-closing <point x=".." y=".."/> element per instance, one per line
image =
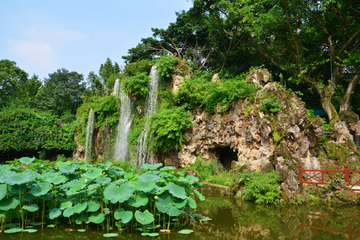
<point x="97" y="218"/>
<point x="177" y="191"/>
<point x="191" y="202"/>
<point x="55" y="178"/>
<point x="199" y="195"/>
<point x="140" y="200"/>
<point x="92" y="205"/>
<point x="110" y="235"/>
<point x="92" y="174"/>
<point x="150" y="234"/>
<point x="179" y="203"/>
<point x="146" y="166"/>
<point x="26" y="160"/>
<point x="31" y="207"/>
<point x="124" y="216"/>
<point x="118" y="194"/>
<point x="68" y="212"/>
<point x="145" y="186"/>
<point x="78" y="208"/>
<point x="13" y="230"/>
<point x="81" y="230"/>
<point x="186" y="231"/>
<point x="30" y="230"/>
<point x="8" y="203"/>
<point x="163" y="202"/>
<point x="68" y="169"/>
<point x="65" y="205"/>
<point x="3" y="191"/>
<point x="18" y="178"/>
<point x="54" y="213"/>
<point x="144" y="217"/>
<point x="167" y="169"/>
<point x="41" y="188"/>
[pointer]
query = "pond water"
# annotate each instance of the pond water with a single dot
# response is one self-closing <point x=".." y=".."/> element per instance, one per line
<point x="242" y="220"/>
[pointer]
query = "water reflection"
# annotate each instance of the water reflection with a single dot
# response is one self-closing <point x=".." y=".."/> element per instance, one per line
<point x="243" y="220"/>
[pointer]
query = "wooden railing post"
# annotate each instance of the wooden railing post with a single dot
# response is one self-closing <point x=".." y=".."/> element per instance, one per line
<point x="346" y="174"/>
<point x="300" y="173"/>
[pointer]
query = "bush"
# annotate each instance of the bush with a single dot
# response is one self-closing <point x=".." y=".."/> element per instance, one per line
<point x="165" y="66"/>
<point x="167" y="126"/>
<point x="24" y="129"/>
<point x="271" y="106"/>
<point x="143" y="66"/>
<point x="261" y="188"/>
<point x="137" y="85"/>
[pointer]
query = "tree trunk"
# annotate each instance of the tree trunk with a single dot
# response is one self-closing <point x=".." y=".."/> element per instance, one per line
<point x="346" y="99"/>
<point x="326" y="94"/>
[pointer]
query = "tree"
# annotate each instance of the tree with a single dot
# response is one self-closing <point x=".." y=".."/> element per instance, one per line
<point x="61" y="92"/>
<point x="116" y="68"/>
<point x="12" y="79"/>
<point x="317" y="42"/>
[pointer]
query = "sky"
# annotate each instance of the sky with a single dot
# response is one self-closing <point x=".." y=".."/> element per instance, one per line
<point x="42" y="36"/>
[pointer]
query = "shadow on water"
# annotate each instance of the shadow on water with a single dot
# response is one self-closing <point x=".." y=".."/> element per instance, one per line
<point x="243" y="220"/>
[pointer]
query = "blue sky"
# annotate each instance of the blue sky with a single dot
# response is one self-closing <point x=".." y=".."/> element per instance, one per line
<point x="42" y="36"/>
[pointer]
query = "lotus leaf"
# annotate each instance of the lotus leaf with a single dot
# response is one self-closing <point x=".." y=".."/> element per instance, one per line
<point x="92" y="174"/>
<point x="118" y="194"/>
<point x="3" y="191"/>
<point x="8" y="203"/>
<point x="149" y="177"/>
<point x="139" y="200"/>
<point x="31" y="207"/>
<point x="179" y="203"/>
<point x="92" y="206"/>
<point x="163" y="202"/>
<point x="174" y="211"/>
<point x="191" y="179"/>
<point x="191" y="202"/>
<point x="78" y="208"/>
<point x="28" y="197"/>
<point x="177" y="191"/>
<point x="145" y="186"/>
<point x="103" y="180"/>
<point x="55" y="178"/>
<point x="129" y="175"/>
<point x="81" y="230"/>
<point x="204" y="219"/>
<point x="29" y="230"/>
<point x="78" y="186"/>
<point x="186" y="231"/>
<point x="110" y="235"/>
<point x="167" y="169"/>
<point x="80" y="218"/>
<point x="54" y="213"/>
<point x="18" y="178"/>
<point x="68" y="168"/>
<point x="125" y="216"/>
<point x="199" y="195"/>
<point x="49" y="196"/>
<point x="97" y="218"/>
<point x="65" y="205"/>
<point x="51" y="225"/>
<point x="68" y="212"/>
<point x="146" y="166"/>
<point x="41" y="188"/>
<point x="150" y="234"/>
<point x="16" y="189"/>
<point x="144" y="217"/>
<point x="13" y="230"/>
<point x="26" y="160"/>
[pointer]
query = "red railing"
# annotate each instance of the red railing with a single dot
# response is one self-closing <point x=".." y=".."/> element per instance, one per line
<point x="312" y="176"/>
<point x="352" y="230"/>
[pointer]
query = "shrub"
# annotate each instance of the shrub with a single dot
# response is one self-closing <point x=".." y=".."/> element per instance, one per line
<point x="137" y="85"/>
<point x="261" y="188"/>
<point x="143" y="66"/>
<point x="165" y="66"/>
<point x="167" y="126"/>
<point x="271" y="106"/>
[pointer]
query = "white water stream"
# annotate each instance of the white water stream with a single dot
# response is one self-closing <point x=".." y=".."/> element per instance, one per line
<point x="89" y="136"/>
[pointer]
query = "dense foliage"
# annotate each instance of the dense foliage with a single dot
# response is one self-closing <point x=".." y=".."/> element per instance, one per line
<point x="24" y="129"/>
<point x="201" y="91"/>
<point x="167" y="127"/>
<point x="165" y="66"/>
<point x="137" y="85"/>
<point x="87" y="194"/>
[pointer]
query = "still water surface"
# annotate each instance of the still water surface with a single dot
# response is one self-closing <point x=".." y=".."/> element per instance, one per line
<point x="242" y="220"/>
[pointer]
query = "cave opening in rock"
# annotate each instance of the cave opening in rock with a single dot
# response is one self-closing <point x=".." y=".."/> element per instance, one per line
<point x="227" y="155"/>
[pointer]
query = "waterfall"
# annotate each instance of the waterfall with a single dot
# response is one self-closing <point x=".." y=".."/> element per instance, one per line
<point x="125" y="120"/>
<point x="89" y="136"/>
<point x="142" y="153"/>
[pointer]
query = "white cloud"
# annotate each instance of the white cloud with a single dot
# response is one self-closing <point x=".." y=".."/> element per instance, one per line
<point x="38" y="53"/>
<point x="53" y="34"/>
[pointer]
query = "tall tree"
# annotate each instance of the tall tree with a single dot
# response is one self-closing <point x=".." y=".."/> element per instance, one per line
<point x="315" y="41"/>
<point x="12" y="79"/>
<point x="61" y="92"/>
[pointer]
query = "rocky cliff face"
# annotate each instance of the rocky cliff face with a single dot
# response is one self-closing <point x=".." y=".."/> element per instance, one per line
<point x="255" y="139"/>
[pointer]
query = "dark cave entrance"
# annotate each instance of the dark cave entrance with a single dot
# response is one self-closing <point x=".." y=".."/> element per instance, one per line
<point x="226" y="156"/>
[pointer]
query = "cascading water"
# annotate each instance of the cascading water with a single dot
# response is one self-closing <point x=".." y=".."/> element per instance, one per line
<point x="143" y="154"/>
<point x="124" y="125"/>
<point x="89" y="136"/>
